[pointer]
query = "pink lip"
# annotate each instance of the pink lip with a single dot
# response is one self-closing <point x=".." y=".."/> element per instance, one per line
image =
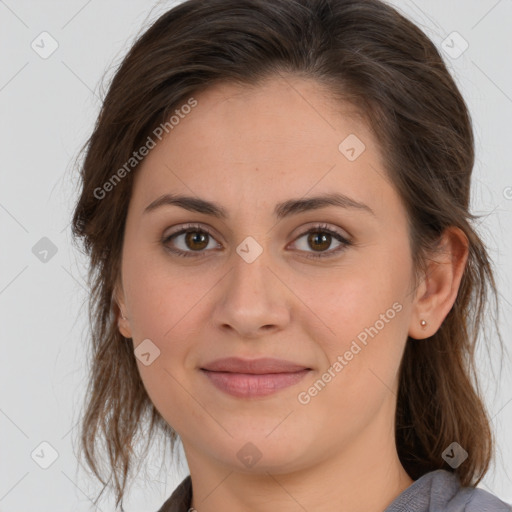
<point x="246" y="385"/>
<point x="253" y="378"/>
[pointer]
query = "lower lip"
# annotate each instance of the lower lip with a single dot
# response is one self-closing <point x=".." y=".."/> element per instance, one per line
<point x="246" y="385"/>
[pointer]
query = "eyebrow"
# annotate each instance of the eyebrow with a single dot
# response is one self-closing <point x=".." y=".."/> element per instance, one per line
<point x="281" y="210"/>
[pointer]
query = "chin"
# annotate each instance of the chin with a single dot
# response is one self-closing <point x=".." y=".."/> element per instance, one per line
<point x="261" y="452"/>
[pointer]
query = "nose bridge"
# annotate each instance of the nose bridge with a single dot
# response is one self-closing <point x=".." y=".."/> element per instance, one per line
<point x="250" y="279"/>
<point x="252" y="297"/>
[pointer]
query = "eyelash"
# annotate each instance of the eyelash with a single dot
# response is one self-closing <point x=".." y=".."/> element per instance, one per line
<point x="321" y="228"/>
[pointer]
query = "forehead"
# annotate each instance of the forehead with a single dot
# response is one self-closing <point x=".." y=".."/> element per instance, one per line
<point x="280" y="138"/>
<point x="282" y="118"/>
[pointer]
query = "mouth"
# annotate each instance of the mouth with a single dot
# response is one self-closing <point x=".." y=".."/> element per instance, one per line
<point x="253" y="378"/>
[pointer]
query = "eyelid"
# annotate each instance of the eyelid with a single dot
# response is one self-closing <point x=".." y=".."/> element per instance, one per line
<point x="344" y="240"/>
<point x="322" y="226"/>
<point x="189" y="226"/>
<point x="182" y="229"/>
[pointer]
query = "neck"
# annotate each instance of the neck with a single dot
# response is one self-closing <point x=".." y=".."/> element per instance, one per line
<point x="365" y="475"/>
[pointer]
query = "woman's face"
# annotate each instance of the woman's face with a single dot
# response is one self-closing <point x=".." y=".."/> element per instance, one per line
<point x="269" y="278"/>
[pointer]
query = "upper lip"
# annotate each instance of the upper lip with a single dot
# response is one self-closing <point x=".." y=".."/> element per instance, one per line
<point x="256" y="366"/>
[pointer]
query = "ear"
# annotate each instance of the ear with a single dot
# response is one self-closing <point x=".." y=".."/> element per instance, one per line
<point x="437" y="292"/>
<point x="119" y="298"/>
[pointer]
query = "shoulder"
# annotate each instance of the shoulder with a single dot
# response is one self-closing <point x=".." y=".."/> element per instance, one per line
<point x="483" y="501"/>
<point x="440" y="491"/>
<point x="464" y="499"/>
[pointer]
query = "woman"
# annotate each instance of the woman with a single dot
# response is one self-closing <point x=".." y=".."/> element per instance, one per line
<point x="284" y="268"/>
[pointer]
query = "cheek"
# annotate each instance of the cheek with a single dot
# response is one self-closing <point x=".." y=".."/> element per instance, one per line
<point x="346" y="301"/>
<point x="165" y="309"/>
<point x="359" y="317"/>
<point x="161" y="296"/>
<point x="363" y="355"/>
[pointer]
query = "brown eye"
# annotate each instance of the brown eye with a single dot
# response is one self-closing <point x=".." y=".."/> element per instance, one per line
<point x="190" y="241"/>
<point x="319" y="241"/>
<point x="196" y="240"/>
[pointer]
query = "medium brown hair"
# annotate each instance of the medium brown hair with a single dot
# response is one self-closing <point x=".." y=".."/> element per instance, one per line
<point x="369" y="55"/>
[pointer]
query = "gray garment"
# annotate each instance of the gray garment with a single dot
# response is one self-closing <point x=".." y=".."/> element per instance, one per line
<point x="437" y="491"/>
<point x="440" y="491"/>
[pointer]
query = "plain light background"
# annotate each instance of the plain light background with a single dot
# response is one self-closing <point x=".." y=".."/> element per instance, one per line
<point x="48" y="107"/>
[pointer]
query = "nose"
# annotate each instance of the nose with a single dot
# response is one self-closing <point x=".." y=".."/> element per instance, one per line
<point x="252" y="301"/>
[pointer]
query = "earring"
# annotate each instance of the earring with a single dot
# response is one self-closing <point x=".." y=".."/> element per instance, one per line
<point x="423" y="324"/>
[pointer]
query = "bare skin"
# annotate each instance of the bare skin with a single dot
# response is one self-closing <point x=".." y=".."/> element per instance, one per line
<point x="247" y="149"/>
